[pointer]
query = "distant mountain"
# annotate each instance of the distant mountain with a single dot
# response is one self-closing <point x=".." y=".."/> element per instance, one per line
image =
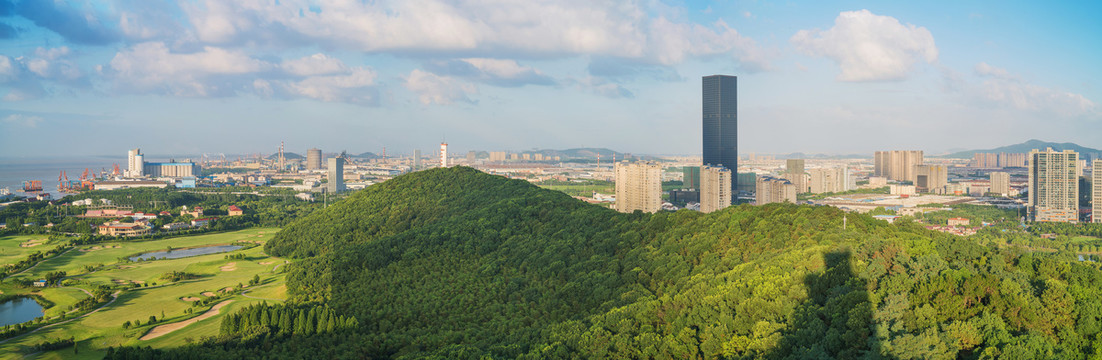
<point x="287" y="155"/>
<point x="1026" y="147"/>
<point x="367" y="155"/>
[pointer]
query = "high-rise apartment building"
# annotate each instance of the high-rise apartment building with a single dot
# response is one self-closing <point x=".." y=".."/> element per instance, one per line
<point x="931" y="178"/>
<point x="313" y="159"/>
<point x="336" y="175"/>
<point x="774" y="190"/>
<point x="715" y="188"/>
<point x="828" y="180"/>
<point x="720" y="105"/>
<point x="471" y="156"/>
<point x="794" y="172"/>
<point x="417" y="159"/>
<point x="1000" y="183"/>
<point x="638" y="186"/>
<point x="1096" y="189"/>
<point x="898" y="165"/>
<point x="997" y="160"/>
<point x="690" y="177"/>
<point x="443" y="155"/>
<point x="497" y="156"/>
<point x="1054" y="185"/>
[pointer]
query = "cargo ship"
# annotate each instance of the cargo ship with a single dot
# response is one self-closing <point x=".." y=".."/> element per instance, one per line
<point x="32" y="186"/>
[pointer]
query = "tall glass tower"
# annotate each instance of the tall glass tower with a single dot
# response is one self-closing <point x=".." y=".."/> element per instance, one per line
<point x="721" y="123"/>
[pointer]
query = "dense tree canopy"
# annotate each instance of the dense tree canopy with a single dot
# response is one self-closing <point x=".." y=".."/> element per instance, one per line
<point x="453" y="263"/>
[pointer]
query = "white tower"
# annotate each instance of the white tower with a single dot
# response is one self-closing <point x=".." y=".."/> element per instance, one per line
<point x="444" y="154"/>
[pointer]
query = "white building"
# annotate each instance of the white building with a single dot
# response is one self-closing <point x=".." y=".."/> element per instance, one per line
<point x="715" y="188"/>
<point x="638" y="186"/>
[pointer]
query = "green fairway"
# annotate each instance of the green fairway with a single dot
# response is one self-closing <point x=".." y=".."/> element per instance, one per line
<point x="153" y="296"/>
<point x="16" y="248"/>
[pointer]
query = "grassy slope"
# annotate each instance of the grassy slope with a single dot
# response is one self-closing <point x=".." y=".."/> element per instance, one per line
<point x="11" y="252"/>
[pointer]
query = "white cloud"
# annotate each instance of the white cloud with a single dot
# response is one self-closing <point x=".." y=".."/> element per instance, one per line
<point x="30" y="121"/>
<point x="36" y="75"/>
<point x="212" y="71"/>
<point x="498" y="72"/>
<point x="1001" y="87"/>
<point x="354" y="86"/>
<point x="443" y="90"/>
<point x="317" y="64"/>
<point x="604" y="87"/>
<point x="523" y="28"/>
<point x="869" y="47"/>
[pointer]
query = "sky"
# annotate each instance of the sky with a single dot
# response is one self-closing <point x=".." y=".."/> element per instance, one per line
<point x="82" y="77"/>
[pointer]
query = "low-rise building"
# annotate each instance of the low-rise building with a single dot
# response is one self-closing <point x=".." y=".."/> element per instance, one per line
<point x="176" y="226"/>
<point x="902" y="190"/>
<point x="959" y="221"/>
<point x="116" y="228"/>
<point x="201" y="222"/>
<point x="235" y="211"/>
<point x="195" y="212"/>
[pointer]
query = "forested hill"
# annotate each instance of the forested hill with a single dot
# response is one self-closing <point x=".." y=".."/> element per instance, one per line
<point x="456" y="264"/>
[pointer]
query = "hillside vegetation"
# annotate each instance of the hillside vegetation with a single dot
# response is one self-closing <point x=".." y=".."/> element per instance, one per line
<point x="454" y="263"/>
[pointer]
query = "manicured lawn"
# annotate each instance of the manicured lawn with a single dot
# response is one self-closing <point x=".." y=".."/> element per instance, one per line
<point x="15" y="248"/>
<point x="99" y="330"/>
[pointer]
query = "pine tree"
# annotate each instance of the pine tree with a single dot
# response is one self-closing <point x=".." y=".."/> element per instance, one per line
<point x="286" y="326"/>
<point x="323" y="324"/>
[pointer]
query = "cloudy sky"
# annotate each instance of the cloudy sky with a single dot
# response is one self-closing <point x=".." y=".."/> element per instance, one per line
<point x="195" y="76"/>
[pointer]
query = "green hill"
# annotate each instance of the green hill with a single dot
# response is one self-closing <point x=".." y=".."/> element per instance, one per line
<point x="1025" y="148"/>
<point x="453" y="263"/>
<point x="287" y="155"/>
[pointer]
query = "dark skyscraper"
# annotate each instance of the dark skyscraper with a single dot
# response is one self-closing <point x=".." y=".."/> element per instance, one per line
<point x="721" y="123"/>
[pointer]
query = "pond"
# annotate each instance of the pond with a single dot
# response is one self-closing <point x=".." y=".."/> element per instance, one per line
<point x="176" y="254"/>
<point x="19" y="310"/>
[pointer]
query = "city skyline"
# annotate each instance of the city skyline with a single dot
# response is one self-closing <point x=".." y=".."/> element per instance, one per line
<point x="238" y="77"/>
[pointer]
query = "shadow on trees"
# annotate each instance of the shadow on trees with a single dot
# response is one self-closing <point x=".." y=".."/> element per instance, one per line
<point x="836" y="321"/>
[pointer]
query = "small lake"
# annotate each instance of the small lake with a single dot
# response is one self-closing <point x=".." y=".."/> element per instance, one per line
<point x="18" y="311"/>
<point x="182" y="253"/>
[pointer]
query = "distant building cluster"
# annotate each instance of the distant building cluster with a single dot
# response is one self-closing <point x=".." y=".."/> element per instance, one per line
<point x="775" y="190"/>
<point x="997" y="160"/>
<point x="898" y="165"/>
<point x="139" y="168"/>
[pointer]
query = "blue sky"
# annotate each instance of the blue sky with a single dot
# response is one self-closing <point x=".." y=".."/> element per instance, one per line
<point x="195" y="76"/>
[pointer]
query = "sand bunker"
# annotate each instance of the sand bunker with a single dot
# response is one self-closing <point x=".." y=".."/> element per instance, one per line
<point x="165" y="329"/>
<point x="209" y="293"/>
<point x="97" y="247"/>
<point x="190" y="298"/>
<point x="229" y="267"/>
<point x="267" y="263"/>
<point x="33" y="243"/>
<point x="229" y="289"/>
<point x="139" y="282"/>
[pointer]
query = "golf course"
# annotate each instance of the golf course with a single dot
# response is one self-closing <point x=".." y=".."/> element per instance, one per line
<point x="184" y="296"/>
